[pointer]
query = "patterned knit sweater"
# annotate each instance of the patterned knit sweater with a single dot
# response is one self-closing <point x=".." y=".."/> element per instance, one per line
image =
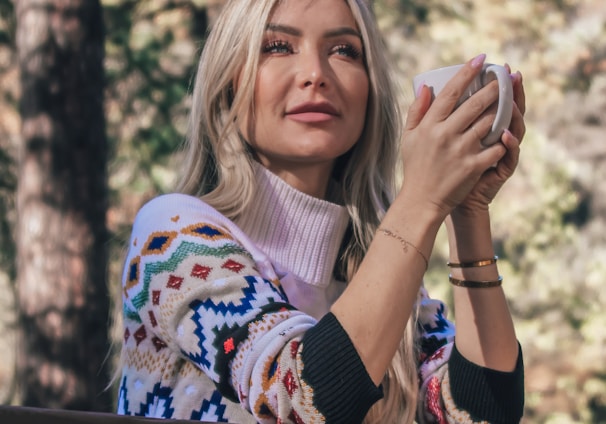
<point x="230" y="322"/>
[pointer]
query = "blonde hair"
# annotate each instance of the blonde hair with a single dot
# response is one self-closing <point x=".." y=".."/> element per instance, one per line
<point x="218" y="162"/>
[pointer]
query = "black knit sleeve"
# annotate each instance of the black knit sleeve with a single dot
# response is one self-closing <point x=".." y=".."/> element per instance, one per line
<point x="343" y="390"/>
<point x="486" y="394"/>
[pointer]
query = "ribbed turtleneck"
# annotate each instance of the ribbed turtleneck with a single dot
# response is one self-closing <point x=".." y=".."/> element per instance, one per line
<point x="300" y="233"/>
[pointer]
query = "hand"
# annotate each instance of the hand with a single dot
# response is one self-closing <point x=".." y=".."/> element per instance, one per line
<point x="442" y="154"/>
<point x="493" y="179"/>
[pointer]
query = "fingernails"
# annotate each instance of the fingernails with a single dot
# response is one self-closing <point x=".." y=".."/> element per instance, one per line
<point x="420" y="89"/>
<point x="516" y="76"/>
<point x="478" y="61"/>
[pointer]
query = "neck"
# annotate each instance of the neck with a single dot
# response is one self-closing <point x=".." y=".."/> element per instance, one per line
<point x="311" y="179"/>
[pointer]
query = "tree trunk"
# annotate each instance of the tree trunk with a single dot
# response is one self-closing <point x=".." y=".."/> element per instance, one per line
<point x="62" y="202"/>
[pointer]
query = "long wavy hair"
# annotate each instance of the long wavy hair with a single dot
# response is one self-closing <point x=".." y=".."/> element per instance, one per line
<point x="218" y="161"/>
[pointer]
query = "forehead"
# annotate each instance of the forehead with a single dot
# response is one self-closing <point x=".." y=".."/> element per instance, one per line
<point x="335" y="12"/>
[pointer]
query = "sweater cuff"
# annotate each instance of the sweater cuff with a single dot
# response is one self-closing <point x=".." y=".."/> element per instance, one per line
<point x="343" y="390"/>
<point x="487" y="394"/>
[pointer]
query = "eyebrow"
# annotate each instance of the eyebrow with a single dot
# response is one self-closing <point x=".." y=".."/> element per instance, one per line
<point x="287" y="29"/>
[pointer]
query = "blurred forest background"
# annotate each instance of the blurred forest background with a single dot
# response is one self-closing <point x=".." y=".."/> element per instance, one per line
<point x="549" y="221"/>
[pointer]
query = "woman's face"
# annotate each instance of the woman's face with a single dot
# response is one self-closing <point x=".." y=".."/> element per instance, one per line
<point x="311" y="87"/>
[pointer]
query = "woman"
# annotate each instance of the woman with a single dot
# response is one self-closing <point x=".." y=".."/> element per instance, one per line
<point x="285" y="284"/>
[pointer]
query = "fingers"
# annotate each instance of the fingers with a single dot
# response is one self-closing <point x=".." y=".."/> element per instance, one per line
<point x="506" y="153"/>
<point x="419" y="108"/>
<point x="519" y="95"/>
<point x="507" y="165"/>
<point x="480" y="110"/>
<point x="518" y="89"/>
<point x="518" y="126"/>
<point x="485" y="100"/>
<point x="490" y="155"/>
<point x="446" y="101"/>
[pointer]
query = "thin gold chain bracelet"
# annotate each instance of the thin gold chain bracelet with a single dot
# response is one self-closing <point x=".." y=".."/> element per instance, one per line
<point x="405" y="243"/>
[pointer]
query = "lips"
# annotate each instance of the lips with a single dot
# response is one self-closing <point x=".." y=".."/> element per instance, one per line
<point x="312" y="112"/>
<point x="322" y="107"/>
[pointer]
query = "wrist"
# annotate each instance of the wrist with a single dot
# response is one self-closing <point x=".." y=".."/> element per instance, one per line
<point x="409" y="201"/>
<point x="462" y="216"/>
<point x="490" y="272"/>
<point x="414" y="223"/>
<point x="469" y="238"/>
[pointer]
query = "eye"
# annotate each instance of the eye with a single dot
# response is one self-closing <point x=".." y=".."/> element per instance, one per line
<point x="277" y="47"/>
<point x="347" y="50"/>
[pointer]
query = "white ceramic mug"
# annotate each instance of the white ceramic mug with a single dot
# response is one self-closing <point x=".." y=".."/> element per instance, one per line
<point x="436" y="79"/>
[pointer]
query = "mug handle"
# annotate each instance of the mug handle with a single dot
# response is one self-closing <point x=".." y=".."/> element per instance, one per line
<point x="505" y="105"/>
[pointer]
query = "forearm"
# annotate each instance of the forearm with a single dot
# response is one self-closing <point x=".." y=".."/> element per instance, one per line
<point x="485" y="332"/>
<point x="377" y="303"/>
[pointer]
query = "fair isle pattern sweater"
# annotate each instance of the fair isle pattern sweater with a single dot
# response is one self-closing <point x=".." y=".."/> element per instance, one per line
<point x="230" y="322"/>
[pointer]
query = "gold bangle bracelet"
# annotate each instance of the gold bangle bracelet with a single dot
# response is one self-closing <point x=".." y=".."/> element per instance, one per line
<point x="471" y="284"/>
<point x="474" y="264"/>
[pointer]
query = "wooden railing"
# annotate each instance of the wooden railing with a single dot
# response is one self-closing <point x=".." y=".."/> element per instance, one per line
<point x="27" y="415"/>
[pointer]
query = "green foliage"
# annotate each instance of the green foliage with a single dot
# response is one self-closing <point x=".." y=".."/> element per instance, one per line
<point x="418" y="11"/>
<point x="7" y="164"/>
<point x="7" y="22"/>
<point x="152" y="48"/>
<point x="7" y="207"/>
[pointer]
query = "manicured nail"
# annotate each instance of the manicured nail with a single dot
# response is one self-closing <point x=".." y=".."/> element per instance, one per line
<point x="516" y="77"/>
<point x="420" y="89"/>
<point x="478" y="61"/>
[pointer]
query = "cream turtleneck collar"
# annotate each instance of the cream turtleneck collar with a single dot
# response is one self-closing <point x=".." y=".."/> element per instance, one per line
<point x="301" y="235"/>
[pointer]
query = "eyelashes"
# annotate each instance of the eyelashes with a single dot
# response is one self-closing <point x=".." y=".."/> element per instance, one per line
<point x="283" y="47"/>
<point x="277" y="46"/>
<point x="347" y="50"/>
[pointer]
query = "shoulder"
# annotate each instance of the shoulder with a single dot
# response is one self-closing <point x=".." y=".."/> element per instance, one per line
<point x="176" y="215"/>
<point x="175" y="204"/>
<point x="176" y="209"/>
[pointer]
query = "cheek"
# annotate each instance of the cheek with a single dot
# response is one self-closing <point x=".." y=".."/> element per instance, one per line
<point x="268" y="95"/>
<point x="357" y="85"/>
<point x="363" y="98"/>
<point x="360" y="96"/>
<point x="270" y="83"/>
<point x="250" y="121"/>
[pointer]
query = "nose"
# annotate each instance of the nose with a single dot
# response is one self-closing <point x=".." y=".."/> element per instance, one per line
<point x="314" y="81"/>
<point x="313" y="71"/>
